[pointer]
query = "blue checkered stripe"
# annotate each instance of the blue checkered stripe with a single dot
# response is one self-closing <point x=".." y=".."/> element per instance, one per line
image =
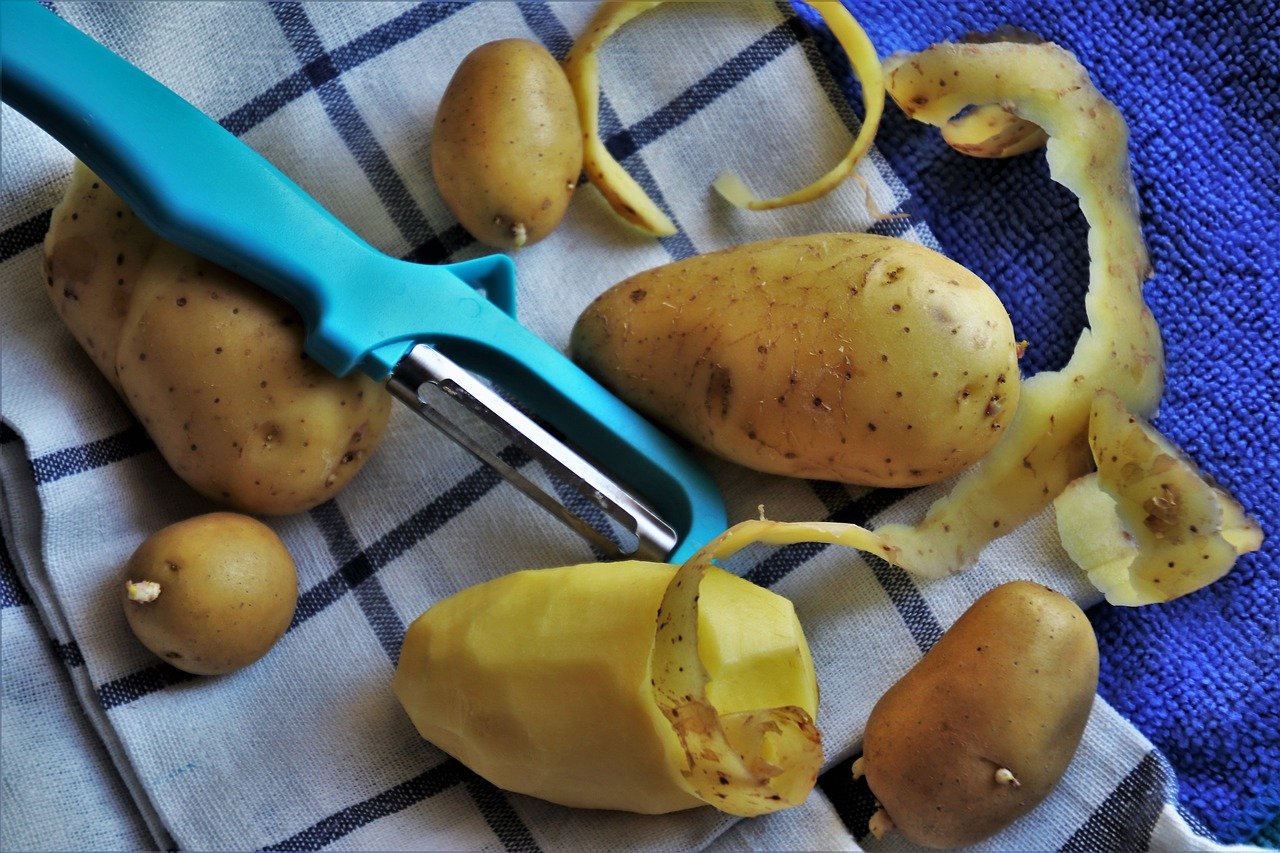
<point x="1131" y="811"/>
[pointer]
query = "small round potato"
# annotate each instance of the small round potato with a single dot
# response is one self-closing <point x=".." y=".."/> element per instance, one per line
<point x="506" y="149"/>
<point x="211" y="594"/>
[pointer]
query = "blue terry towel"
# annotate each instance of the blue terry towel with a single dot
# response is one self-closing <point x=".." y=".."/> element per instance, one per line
<point x="1199" y="85"/>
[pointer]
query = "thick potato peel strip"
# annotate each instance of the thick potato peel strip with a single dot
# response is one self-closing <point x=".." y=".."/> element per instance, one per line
<point x="621" y="191"/>
<point x="754" y="762"/>
<point x="582" y="68"/>
<point x="1148" y="527"/>
<point x="1045" y="446"/>
<point x="992" y="131"/>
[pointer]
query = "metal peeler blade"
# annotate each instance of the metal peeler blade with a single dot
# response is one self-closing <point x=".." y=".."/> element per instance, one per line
<point x="653" y="538"/>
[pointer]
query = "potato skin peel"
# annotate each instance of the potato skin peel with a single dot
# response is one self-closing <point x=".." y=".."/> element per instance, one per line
<point x="626" y="197"/>
<point x="849" y="357"/>
<point x="993" y="132"/>
<point x="1045" y="448"/>
<point x="1009" y="687"/>
<point x="725" y="754"/>
<point x="1148" y="527"/>
<point x="865" y="64"/>
<point x="211" y="365"/>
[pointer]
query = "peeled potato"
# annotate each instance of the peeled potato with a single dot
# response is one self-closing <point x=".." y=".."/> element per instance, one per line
<point x="541" y="681"/>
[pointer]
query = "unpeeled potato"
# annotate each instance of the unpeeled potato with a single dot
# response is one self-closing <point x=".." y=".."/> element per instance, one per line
<point x="983" y="727"/>
<point x="848" y="357"/>
<point x="212" y="365"/>
<point x="506" y="149"/>
<point x="211" y="594"/>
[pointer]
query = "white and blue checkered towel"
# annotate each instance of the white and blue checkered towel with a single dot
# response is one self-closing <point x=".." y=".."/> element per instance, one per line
<point x="106" y="748"/>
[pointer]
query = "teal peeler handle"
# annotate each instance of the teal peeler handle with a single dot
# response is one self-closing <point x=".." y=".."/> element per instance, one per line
<point x="200" y="187"/>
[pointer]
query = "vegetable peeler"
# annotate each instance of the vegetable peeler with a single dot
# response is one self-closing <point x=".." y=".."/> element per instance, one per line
<point x="419" y="329"/>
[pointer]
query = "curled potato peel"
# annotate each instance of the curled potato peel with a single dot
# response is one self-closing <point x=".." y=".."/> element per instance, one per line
<point x="749" y="763"/>
<point x="1148" y="527"/>
<point x="866" y="67"/>
<point x="581" y="66"/>
<point x="1044" y="447"/>
<point x="621" y="191"/>
<point x="994" y="132"/>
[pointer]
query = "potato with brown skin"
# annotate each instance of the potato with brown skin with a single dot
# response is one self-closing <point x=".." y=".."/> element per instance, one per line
<point x="848" y="357"/>
<point x="506" y="149"/>
<point x="93" y="253"/>
<point x="983" y="727"/>
<point x="212" y="365"/>
<point x="211" y="594"/>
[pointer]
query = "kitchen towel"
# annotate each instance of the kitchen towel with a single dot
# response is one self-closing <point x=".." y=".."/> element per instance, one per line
<point x="308" y="748"/>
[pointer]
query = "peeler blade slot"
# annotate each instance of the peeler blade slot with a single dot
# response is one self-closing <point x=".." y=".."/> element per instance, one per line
<point x="595" y="506"/>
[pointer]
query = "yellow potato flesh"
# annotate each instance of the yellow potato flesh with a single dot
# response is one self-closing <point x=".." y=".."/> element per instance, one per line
<point x="749" y="762"/>
<point x="540" y="681"/>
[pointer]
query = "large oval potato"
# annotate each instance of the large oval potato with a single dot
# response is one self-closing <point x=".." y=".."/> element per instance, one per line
<point x="849" y="357"/>
<point x="212" y="365"/>
<point x="540" y="680"/>
<point x="506" y="149"/>
<point x="983" y="727"/>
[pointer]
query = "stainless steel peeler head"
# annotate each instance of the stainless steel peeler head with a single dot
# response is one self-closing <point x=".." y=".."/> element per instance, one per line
<point x="643" y="534"/>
